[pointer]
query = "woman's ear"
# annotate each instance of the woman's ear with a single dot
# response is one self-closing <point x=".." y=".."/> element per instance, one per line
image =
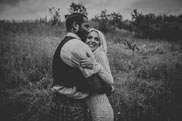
<point x="75" y="26"/>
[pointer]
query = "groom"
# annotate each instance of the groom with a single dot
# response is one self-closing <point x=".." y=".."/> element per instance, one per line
<point x="70" y="80"/>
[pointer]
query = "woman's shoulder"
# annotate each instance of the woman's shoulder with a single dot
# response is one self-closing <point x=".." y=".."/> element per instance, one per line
<point x="98" y="52"/>
<point x="100" y="55"/>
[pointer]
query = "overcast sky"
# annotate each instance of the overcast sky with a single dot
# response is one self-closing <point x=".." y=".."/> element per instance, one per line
<point x="32" y="9"/>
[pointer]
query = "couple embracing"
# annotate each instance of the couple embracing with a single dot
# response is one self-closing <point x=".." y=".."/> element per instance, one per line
<point x="82" y="76"/>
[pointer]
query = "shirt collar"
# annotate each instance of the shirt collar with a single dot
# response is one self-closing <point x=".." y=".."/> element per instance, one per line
<point x="73" y="35"/>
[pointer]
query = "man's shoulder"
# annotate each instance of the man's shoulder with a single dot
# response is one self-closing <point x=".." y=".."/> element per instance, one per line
<point x="76" y="46"/>
<point x="73" y="42"/>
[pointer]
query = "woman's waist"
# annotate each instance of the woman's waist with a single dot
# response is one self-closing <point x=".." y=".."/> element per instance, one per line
<point x="99" y="99"/>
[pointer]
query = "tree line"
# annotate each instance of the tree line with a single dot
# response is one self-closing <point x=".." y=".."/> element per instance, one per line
<point x="143" y="25"/>
<point x="149" y="25"/>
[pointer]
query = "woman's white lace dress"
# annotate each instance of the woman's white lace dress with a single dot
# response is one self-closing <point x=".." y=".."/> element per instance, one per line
<point x="99" y="105"/>
<point x="100" y="108"/>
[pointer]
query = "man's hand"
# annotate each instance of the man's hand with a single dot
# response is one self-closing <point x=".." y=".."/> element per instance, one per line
<point x="87" y="63"/>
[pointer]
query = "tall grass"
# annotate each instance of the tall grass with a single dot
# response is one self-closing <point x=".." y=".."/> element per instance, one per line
<point x="26" y="76"/>
<point x="147" y="85"/>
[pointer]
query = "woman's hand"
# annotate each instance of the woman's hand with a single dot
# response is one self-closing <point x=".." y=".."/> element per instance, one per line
<point x="87" y="63"/>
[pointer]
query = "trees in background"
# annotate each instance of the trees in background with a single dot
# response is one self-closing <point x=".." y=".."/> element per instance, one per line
<point x="105" y="22"/>
<point x="73" y="8"/>
<point x="55" y="16"/>
<point x="143" y="25"/>
<point x="153" y="26"/>
<point x="78" y="8"/>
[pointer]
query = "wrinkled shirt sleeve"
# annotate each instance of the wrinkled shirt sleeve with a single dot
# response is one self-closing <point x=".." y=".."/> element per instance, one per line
<point x="80" y="51"/>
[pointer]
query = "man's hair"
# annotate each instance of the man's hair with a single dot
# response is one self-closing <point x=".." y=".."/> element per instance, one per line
<point x="75" y="17"/>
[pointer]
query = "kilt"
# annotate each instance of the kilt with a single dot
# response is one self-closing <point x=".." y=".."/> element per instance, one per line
<point x="64" y="109"/>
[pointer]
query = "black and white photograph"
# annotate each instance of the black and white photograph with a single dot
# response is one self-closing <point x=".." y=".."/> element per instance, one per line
<point x="91" y="60"/>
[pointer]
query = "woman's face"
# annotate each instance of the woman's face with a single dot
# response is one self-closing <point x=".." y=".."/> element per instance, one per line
<point x="93" y="40"/>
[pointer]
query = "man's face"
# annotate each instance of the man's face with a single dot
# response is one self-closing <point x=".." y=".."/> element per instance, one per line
<point x="83" y="30"/>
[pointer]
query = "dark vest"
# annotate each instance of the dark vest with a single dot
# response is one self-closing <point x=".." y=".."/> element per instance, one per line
<point x="66" y="75"/>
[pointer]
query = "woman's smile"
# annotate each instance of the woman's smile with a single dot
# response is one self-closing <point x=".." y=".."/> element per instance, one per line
<point x="93" y="40"/>
<point x="92" y="44"/>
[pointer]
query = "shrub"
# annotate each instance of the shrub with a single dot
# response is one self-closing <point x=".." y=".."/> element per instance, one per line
<point x="153" y="26"/>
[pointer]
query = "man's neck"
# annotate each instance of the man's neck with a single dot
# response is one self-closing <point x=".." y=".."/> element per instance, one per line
<point x="73" y="35"/>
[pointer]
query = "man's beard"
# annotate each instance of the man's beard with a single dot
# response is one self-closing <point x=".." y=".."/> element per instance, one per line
<point x="82" y="35"/>
<point x="83" y="38"/>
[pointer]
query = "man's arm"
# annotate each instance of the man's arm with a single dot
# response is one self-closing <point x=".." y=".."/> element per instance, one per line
<point x="92" y="75"/>
<point x="80" y="51"/>
<point x="102" y="59"/>
<point x="70" y="92"/>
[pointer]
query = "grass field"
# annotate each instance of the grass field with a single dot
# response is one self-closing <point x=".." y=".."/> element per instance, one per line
<point x="148" y="82"/>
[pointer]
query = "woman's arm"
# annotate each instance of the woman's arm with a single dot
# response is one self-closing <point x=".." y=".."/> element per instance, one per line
<point x="105" y="72"/>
